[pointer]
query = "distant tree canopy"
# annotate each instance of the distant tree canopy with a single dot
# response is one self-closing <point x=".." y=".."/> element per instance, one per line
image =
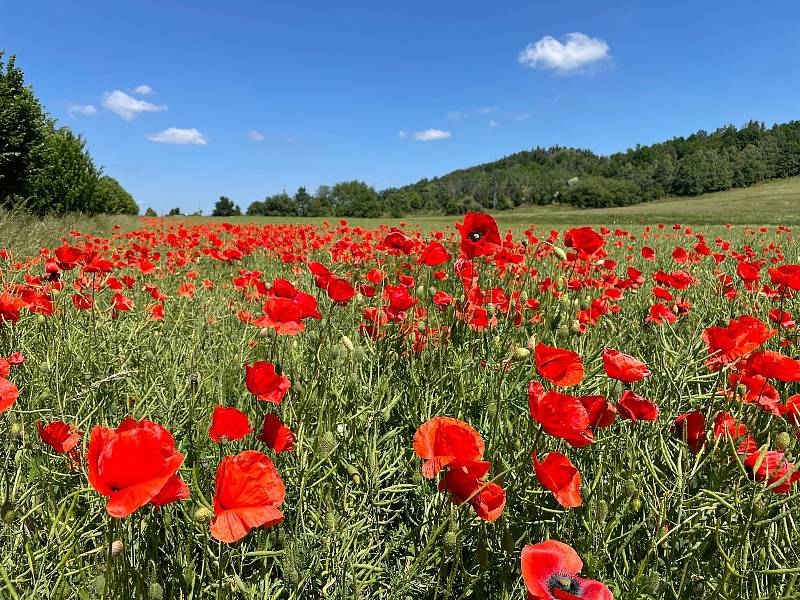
<point x="225" y="208"/>
<point x="703" y="162"/>
<point x="46" y="169"/>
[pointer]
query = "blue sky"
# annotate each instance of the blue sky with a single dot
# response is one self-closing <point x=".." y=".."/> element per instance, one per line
<point x="274" y="95"/>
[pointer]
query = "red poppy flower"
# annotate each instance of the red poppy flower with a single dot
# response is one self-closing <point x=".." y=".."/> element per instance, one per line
<point x="10" y="306"/>
<point x="82" y="301"/>
<point x="585" y="240"/>
<point x="740" y="337"/>
<point x="5" y="367"/>
<point x="60" y="436"/>
<point x="131" y="464"/>
<point x="601" y="412"/>
<point x="660" y="314"/>
<point x="67" y="257"/>
<point x="434" y="255"/>
<point x="8" y="394"/>
<point x="340" y="291"/>
<point x="16" y="359"/>
<point x="550" y="571"/>
<point x="479" y="235"/>
<point x="560" y="476"/>
<point x="771" y="467"/>
<point x="786" y="276"/>
<point x="276" y="435"/>
<point x="444" y="441"/>
<point x="121" y="303"/>
<point x="558" y="366"/>
<point x="486" y="499"/>
<point x="228" y="423"/>
<point x="623" y="366"/>
<point x="560" y="415"/>
<point x="726" y="424"/>
<point x="634" y="407"/>
<point x="398" y="240"/>
<point x="175" y="490"/>
<point x="248" y="493"/>
<point x="691" y="428"/>
<point x="773" y="365"/>
<point x="262" y="381"/>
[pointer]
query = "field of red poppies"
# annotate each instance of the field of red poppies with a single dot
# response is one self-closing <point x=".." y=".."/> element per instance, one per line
<point x="208" y="410"/>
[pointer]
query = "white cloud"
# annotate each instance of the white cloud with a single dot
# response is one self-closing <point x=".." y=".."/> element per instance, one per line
<point x="493" y="123"/>
<point x="175" y="135"/>
<point x="521" y="116"/>
<point x="86" y="110"/>
<point x="578" y="50"/>
<point x="402" y="134"/>
<point x="255" y="136"/>
<point x="144" y="90"/>
<point x="456" y="115"/>
<point x="430" y="135"/>
<point x="127" y="106"/>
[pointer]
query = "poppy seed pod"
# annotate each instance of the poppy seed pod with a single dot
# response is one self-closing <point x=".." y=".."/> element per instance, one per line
<point x="203" y="515"/>
<point x="783" y="441"/>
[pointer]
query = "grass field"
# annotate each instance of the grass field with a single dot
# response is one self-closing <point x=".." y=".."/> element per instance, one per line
<point x="287" y="384"/>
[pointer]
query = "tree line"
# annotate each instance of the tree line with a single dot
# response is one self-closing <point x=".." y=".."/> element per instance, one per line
<point x="45" y="168"/>
<point x="703" y="162"/>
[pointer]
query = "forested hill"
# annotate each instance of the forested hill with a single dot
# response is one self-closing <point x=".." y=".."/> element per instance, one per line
<point x="702" y="162"/>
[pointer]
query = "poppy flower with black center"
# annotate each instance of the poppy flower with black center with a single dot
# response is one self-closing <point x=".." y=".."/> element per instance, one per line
<point x="276" y="435"/>
<point x="771" y="467"/>
<point x="561" y="477"/>
<point x="558" y="366"/>
<point x="465" y="485"/>
<point x="479" y="235"/>
<point x="740" y="337"/>
<point x="262" y="380"/>
<point x="691" y="428"/>
<point x="550" y="571"/>
<point x="132" y="464"/>
<point x="228" y="424"/>
<point x="623" y="367"/>
<point x="445" y="441"/>
<point x="434" y="255"/>
<point x="561" y="415"/>
<point x="584" y="240"/>
<point x="247" y="495"/>
<point x="773" y="365"/>
<point x="633" y="407"/>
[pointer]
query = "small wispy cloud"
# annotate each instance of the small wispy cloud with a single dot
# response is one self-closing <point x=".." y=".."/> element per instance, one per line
<point x="144" y="90"/>
<point x="430" y="135"/>
<point x="127" y="106"/>
<point x="457" y="115"/>
<point x="85" y="110"/>
<point x="577" y="51"/>
<point x="255" y="136"/>
<point x="493" y="124"/>
<point x="402" y="134"/>
<point x="176" y="135"/>
<point x="521" y="116"/>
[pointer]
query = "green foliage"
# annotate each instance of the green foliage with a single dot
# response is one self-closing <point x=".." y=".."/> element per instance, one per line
<point x="601" y="192"/>
<point x="150" y="212"/>
<point x="356" y="199"/>
<point x="174" y="212"/>
<point x="226" y="208"/>
<point x="43" y="168"/>
<point x="113" y="199"/>
<point x="279" y="205"/>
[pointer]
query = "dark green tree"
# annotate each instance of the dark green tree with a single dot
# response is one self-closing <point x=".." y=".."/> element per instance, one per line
<point x="174" y="212"/>
<point x="113" y="199"/>
<point x="356" y="199"/>
<point x="225" y="208"/>
<point x="150" y="212"/>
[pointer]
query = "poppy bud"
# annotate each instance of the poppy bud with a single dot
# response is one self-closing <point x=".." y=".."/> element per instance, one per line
<point x="560" y="253"/>
<point x="264" y="331"/>
<point x="347" y="343"/>
<point x="636" y="504"/>
<point x="563" y="330"/>
<point x="565" y="301"/>
<point x="491" y="310"/>
<point x="741" y="390"/>
<point x="783" y="441"/>
<point x="431" y="291"/>
<point x="451" y="542"/>
<point x="420" y="290"/>
<point x="44" y="367"/>
<point x="630" y="488"/>
<point x="8" y="512"/>
<point x="601" y="511"/>
<point x="99" y="585"/>
<point x="421" y="326"/>
<point x="508" y="542"/>
<point x="155" y="591"/>
<point x="521" y="352"/>
<point x="327" y="444"/>
<point x="203" y="515"/>
<point x="575" y="326"/>
<point x="523" y="296"/>
<point x="585" y="301"/>
<point x="352" y="472"/>
<point x="148" y="355"/>
<point x="16" y="429"/>
<point x="331" y="522"/>
<point x="483" y="555"/>
<point x="758" y="509"/>
<point x="117" y="547"/>
<point x="653" y="583"/>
